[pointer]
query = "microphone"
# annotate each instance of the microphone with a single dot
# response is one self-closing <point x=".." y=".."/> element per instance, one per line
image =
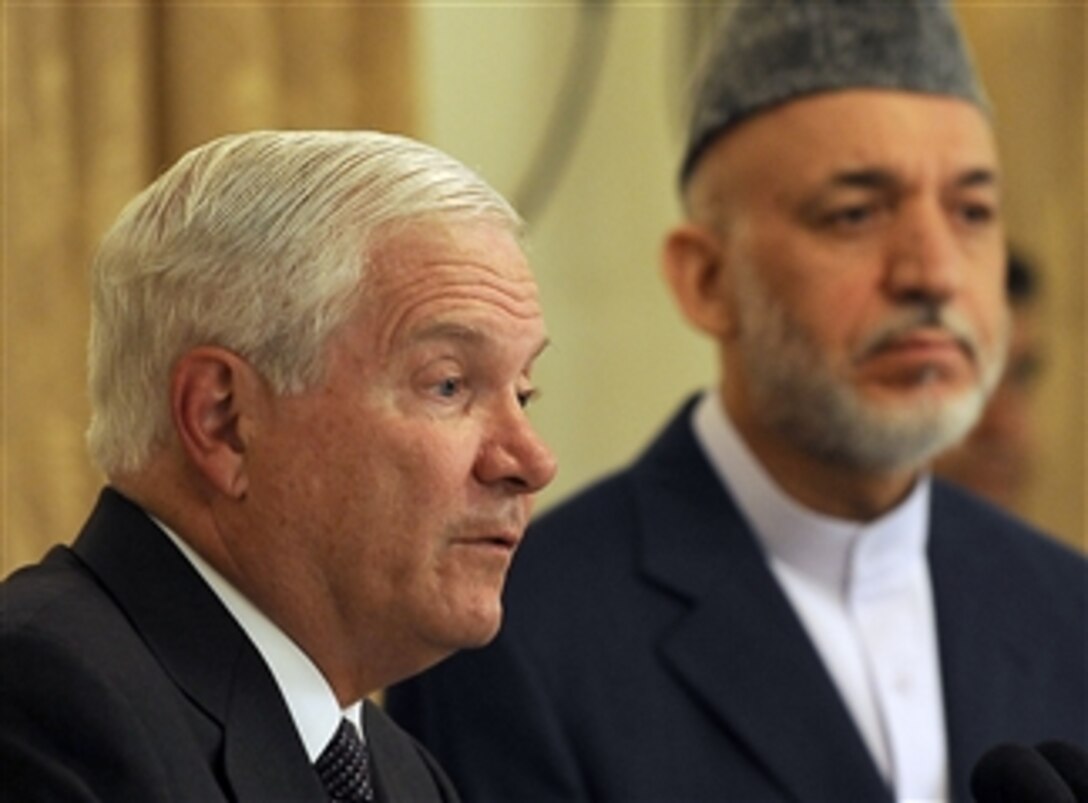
<point x="1071" y="762"/>
<point x="1013" y="773"/>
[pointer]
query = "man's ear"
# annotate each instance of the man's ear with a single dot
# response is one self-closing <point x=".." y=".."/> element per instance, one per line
<point x="211" y="393"/>
<point x="694" y="266"/>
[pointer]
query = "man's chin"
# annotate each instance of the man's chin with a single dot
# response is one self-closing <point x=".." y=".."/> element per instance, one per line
<point x="475" y="627"/>
<point x="935" y="395"/>
<point x="910" y="434"/>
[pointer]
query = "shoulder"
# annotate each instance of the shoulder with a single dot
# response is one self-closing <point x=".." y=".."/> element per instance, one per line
<point x="57" y="602"/>
<point x="605" y="503"/>
<point x="967" y="527"/>
<point x="1029" y="583"/>
<point x="88" y="711"/>
<point x="66" y="698"/>
<point x="672" y="465"/>
<point x="59" y="619"/>
<point x="568" y="546"/>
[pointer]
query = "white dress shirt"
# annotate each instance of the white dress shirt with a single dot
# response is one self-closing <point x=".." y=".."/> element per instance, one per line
<point x="310" y="700"/>
<point x="862" y="591"/>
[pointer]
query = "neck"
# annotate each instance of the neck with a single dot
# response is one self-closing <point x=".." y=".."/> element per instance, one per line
<point x="833" y="488"/>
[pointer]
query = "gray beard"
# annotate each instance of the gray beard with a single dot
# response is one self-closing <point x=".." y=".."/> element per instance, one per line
<point x="795" y="393"/>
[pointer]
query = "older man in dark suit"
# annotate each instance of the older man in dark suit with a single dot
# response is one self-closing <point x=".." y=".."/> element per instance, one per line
<point x="310" y="356"/>
<point x="776" y="602"/>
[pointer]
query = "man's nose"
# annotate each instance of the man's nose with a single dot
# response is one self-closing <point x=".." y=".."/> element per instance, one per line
<point x="925" y="258"/>
<point x="515" y="455"/>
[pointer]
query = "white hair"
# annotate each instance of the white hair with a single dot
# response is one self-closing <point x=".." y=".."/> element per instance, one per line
<point x="258" y="243"/>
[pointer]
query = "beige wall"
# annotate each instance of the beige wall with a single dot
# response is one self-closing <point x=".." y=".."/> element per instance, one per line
<point x="622" y="359"/>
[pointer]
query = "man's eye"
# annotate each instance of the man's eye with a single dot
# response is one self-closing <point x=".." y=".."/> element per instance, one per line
<point x="526" y="397"/>
<point x="851" y="216"/>
<point x="977" y="214"/>
<point x="449" y="387"/>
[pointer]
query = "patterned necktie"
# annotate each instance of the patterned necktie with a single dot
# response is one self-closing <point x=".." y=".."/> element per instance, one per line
<point x="344" y="767"/>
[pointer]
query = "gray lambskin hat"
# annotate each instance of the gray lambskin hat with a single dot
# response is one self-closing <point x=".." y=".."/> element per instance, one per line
<point x="771" y="51"/>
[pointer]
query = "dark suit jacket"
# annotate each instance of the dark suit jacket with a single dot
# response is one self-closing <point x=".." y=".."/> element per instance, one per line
<point x="648" y="654"/>
<point x="122" y="678"/>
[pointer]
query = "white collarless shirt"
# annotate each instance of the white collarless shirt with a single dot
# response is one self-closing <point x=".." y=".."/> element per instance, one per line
<point x="862" y="591"/>
<point x="310" y="700"/>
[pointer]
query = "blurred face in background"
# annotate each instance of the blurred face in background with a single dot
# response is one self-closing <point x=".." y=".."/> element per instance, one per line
<point x="997" y="458"/>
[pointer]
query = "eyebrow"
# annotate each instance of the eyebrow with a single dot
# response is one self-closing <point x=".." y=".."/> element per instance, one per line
<point x="880" y="179"/>
<point x="446" y="330"/>
<point x="864" y="179"/>
<point x="449" y="330"/>
<point x="979" y="176"/>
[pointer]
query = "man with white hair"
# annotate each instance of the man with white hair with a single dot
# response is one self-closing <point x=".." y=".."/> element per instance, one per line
<point x="775" y="602"/>
<point x="310" y="356"/>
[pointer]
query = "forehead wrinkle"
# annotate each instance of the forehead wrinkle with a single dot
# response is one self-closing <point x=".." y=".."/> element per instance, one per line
<point x="507" y="292"/>
<point x="499" y="293"/>
<point x="425" y="273"/>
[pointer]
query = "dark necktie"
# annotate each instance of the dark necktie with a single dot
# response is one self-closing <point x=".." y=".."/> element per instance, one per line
<point x="344" y="767"/>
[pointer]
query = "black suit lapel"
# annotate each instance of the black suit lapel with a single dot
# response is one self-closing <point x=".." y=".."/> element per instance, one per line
<point x="741" y="650"/>
<point x="402" y="772"/>
<point x="263" y="755"/>
<point x="201" y="648"/>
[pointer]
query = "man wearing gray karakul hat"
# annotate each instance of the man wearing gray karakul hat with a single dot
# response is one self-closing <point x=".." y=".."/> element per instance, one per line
<point x="772" y="51"/>
<point x="776" y="601"/>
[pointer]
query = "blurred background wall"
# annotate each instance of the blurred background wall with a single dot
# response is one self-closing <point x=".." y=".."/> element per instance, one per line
<point x="575" y="110"/>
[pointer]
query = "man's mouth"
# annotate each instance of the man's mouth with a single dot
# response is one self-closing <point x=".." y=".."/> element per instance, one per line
<point x="502" y="541"/>
<point x="924" y="341"/>
<point x="924" y="354"/>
